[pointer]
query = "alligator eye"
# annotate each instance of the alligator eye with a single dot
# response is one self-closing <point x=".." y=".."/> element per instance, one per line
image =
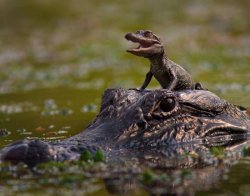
<point x="167" y="104"/>
<point x="148" y="34"/>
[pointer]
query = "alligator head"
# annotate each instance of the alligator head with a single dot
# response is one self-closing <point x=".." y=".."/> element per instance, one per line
<point x="131" y="119"/>
<point x="162" y="117"/>
<point x="149" y="43"/>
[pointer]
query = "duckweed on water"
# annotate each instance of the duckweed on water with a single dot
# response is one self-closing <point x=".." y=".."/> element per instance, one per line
<point x="89" y="108"/>
<point x="246" y="151"/>
<point x="99" y="156"/>
<point x="148" y="177"/>
<point x="185" y="172"/>
<point x="217" y="151"/>
<point x="158" y="183"/>
<point x="51" y="109"/>
<point x="4" y="132"/>
<point x="64" y="52"/>
<point x="15" y="108"/>
<point x="88" y="156"/>
<point x="53" y="167"/>
<point x="88" y="170"/>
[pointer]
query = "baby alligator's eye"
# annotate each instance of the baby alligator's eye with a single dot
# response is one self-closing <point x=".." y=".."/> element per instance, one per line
<point x="148" y="34"/>
<point x="167" y="104"/>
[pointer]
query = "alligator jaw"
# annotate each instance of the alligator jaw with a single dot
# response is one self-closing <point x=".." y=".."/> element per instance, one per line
<point x="146" y="45"/>
<point x="225" y="129"/>
<point x="224" y="135"/>
<point x="131" y="119"/>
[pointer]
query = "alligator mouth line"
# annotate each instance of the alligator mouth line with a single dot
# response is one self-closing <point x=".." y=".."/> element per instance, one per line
<point x="224" y="136"/>
<point x="225" y="131"/>
<point x="144" y="43"/>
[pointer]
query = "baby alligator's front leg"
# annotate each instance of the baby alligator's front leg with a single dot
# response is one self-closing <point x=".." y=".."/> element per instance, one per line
<point x="147" y="80"/>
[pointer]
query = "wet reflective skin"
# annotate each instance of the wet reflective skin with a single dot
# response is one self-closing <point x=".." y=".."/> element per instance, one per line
<point x="58" y="57"/>
<point x="131" y="119"/>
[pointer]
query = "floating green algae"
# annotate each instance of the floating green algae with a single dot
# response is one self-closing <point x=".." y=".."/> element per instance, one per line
<point x="71" y="51"/>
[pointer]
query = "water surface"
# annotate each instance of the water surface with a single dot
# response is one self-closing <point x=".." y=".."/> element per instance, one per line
<point x="57" y="58"/>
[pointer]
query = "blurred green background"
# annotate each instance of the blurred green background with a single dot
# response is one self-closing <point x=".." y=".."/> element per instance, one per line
<point x="57" y="57"/>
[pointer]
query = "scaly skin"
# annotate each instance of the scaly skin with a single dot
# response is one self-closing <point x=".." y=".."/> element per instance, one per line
<point x="131" y="119"/>
<point x="169" y="74"/>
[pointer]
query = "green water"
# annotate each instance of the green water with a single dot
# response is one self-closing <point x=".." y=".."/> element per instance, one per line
<point x="57" y="58"/>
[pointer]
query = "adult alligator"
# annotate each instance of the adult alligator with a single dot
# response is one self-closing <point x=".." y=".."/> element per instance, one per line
<point x="132" y="119"/>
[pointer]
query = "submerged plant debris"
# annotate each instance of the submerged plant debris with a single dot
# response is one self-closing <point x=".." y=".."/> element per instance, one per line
<point x="57" y="58"/>
<point x="120" y="177"/>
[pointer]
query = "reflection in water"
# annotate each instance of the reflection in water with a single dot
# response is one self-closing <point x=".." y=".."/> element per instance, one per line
<point x="181" y="170"/>
<point x="173" y="170"/>
<point x="47" y="46"/>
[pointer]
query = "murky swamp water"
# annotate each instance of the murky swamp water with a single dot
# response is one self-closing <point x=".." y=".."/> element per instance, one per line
<point x="57" y="58"/>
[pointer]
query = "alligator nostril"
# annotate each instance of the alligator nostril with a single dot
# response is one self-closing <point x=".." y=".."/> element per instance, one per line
<point x="167" y="104"/>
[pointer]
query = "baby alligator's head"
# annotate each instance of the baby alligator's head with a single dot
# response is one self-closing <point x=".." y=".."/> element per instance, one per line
<point x="149" y="43"/>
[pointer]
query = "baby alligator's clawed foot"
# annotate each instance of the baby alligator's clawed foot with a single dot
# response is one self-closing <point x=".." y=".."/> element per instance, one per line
<point x="139" y="89"/>
<point x="135" y="89"/>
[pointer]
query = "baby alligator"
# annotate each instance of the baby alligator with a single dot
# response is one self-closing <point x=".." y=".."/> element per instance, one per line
<point x="170" y="75"/>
